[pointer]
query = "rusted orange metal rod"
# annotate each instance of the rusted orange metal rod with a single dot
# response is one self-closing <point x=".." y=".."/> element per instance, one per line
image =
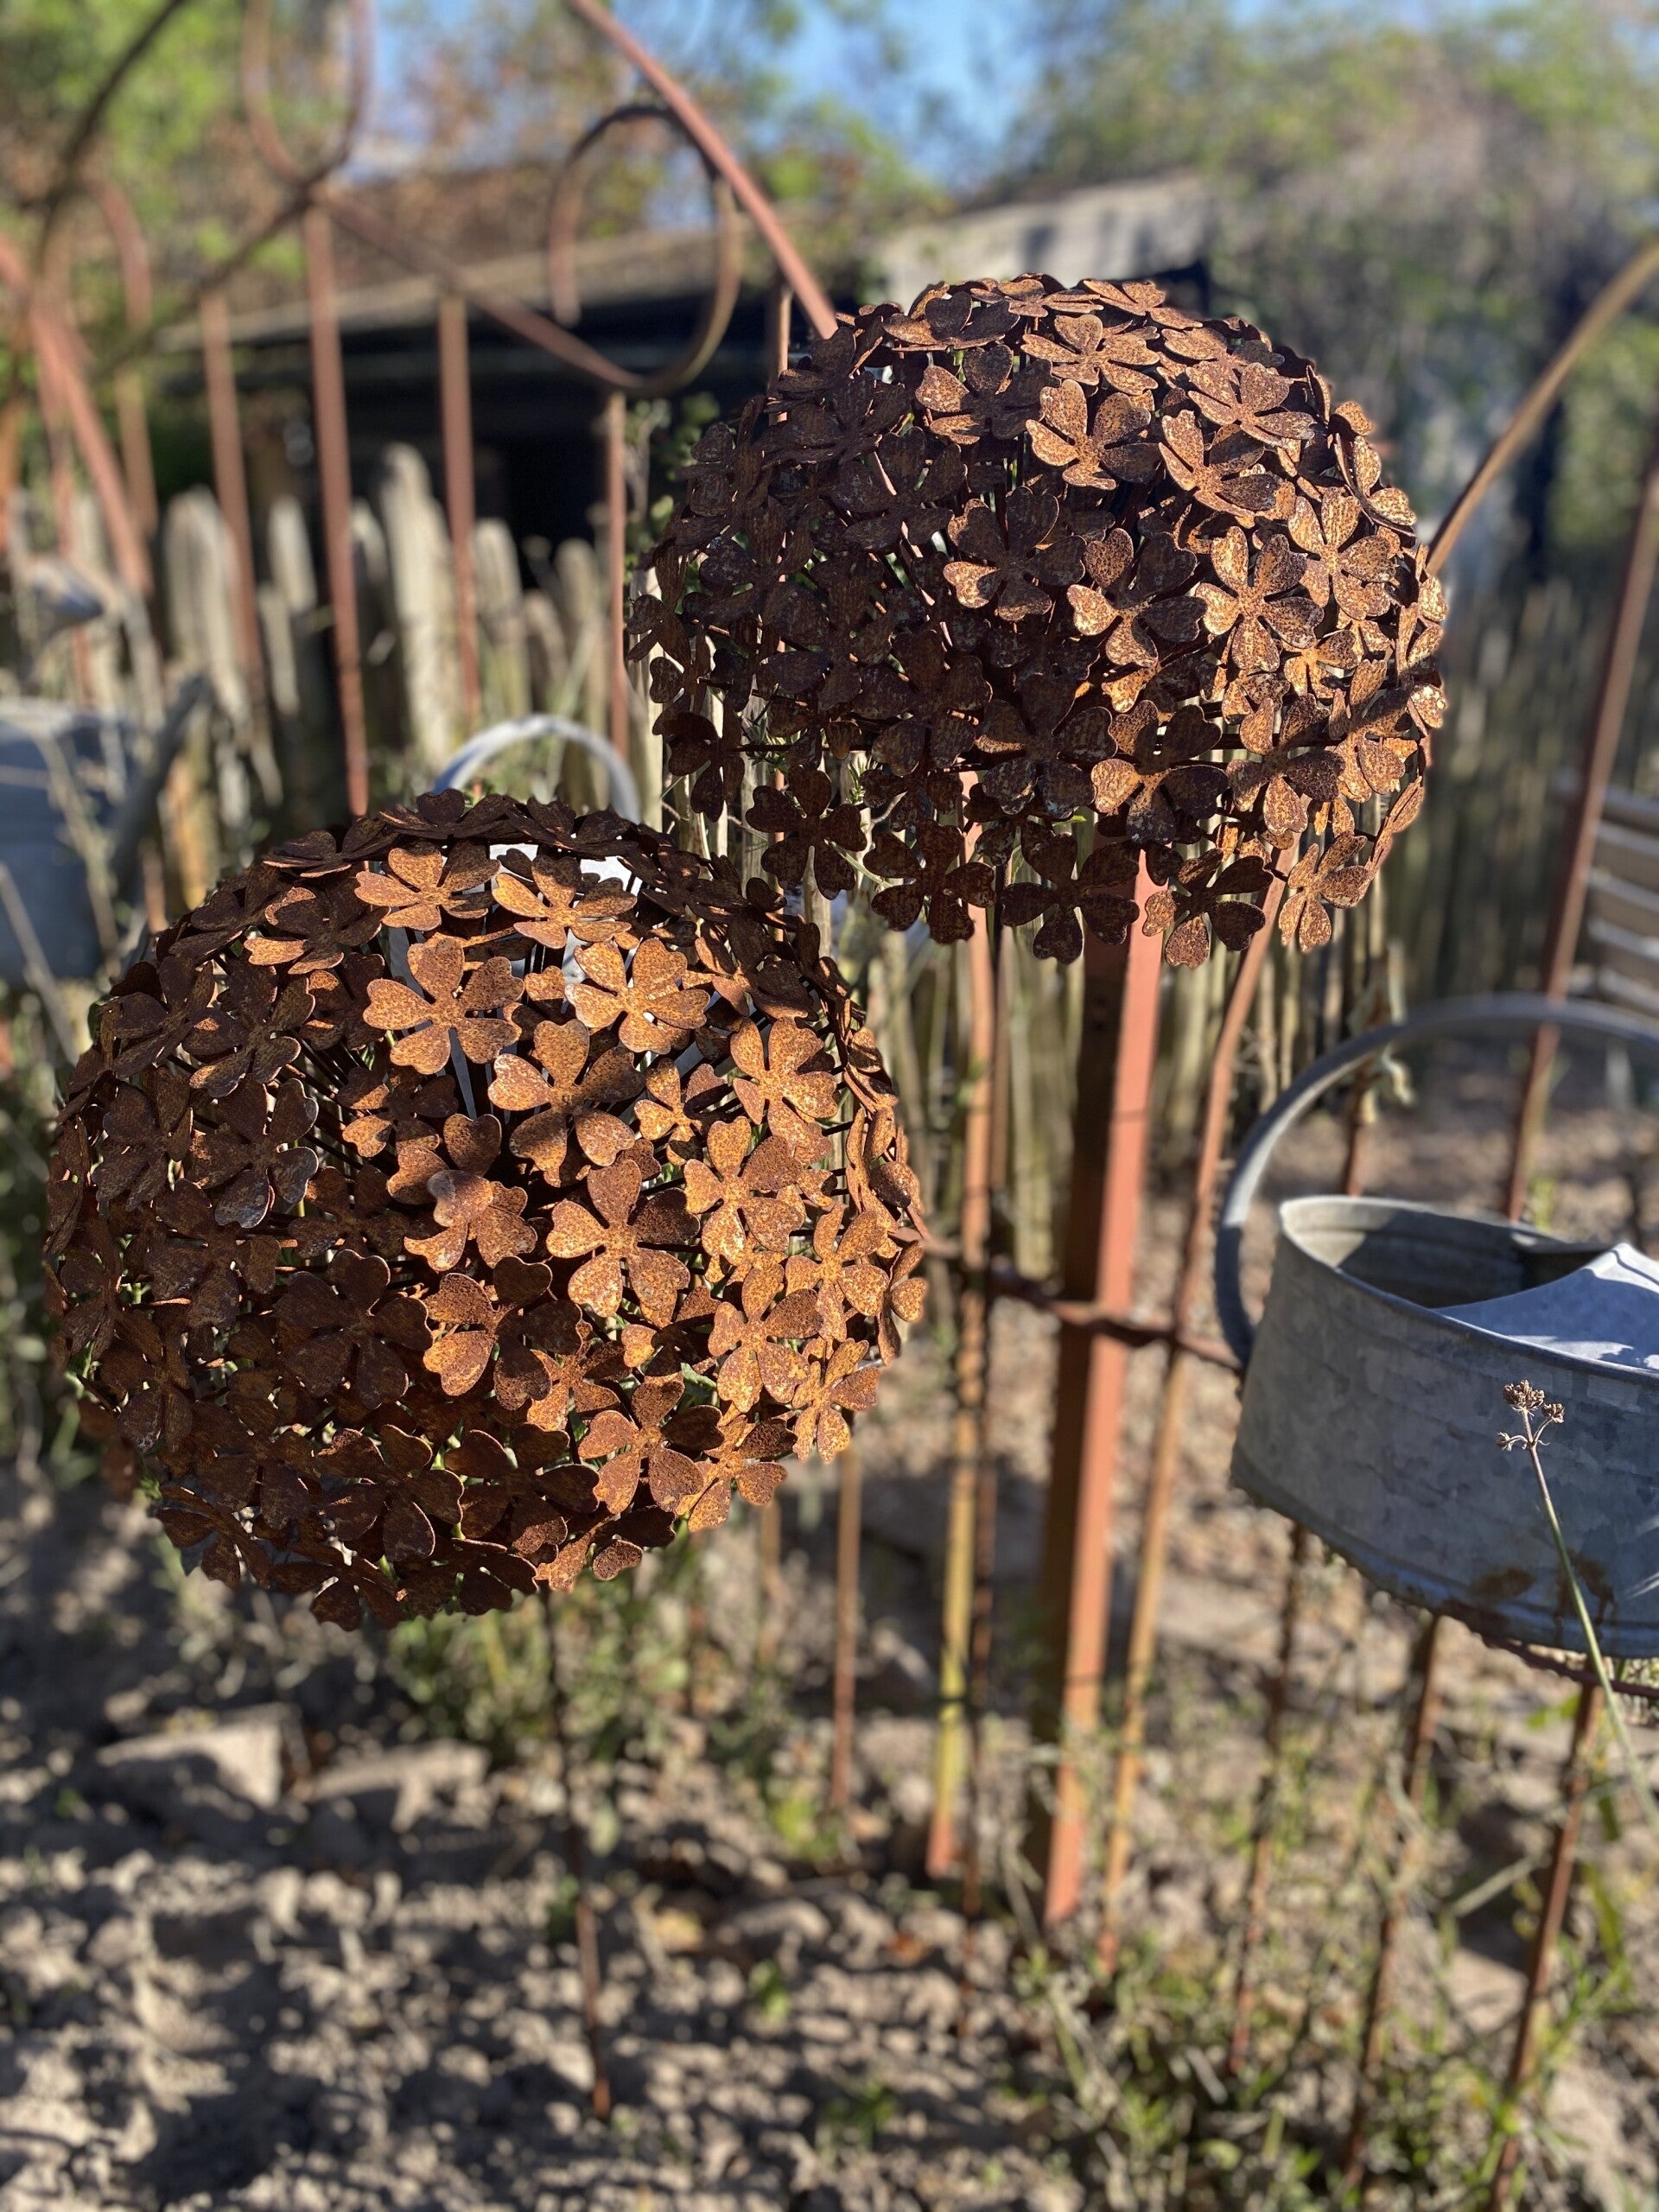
<point x="1602" y="735"/>
<point x="1116" y="1052"/>
<point x="1171" y="1420"/>
<point x="708" y="140"/>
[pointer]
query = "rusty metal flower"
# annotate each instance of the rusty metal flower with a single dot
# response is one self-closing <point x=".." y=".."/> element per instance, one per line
<point x="582" y="1198"/>
<point x="1031" y="564"/>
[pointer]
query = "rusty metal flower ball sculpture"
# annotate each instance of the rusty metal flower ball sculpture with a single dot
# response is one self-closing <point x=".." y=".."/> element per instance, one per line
<point x="470" y="1198"/>
<point x="1028" y="559"/>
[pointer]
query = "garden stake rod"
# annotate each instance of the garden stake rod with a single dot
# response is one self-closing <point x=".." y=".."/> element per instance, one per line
<point x="460" y="498"/>
<point x="1166" y="1449"/>
<point x="844" y="1689"/>
<point x="968" y="1430"/>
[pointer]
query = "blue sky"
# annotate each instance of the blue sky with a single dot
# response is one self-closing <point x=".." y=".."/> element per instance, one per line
<point x="964" y="71"/>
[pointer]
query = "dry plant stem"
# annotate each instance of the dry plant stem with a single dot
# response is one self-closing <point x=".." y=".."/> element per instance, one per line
<point x="455" y="402"/>
<point x="1419" y="1744"/>
<point x="780" y="302"/>
<point x="575" y="1854"/>
<point x="1600" y="752"/>
<point x="1116" y="1052"/>
<point x="968" y="1429"/>
<point x="845" y="1686"/>
<point x="1166" y="1449"/>
<point x="616" y="421"/>
<point x="1266" y="1806"/>
<point x="1621" y="291"/>
<point x="1575" y="1784"/>
<point x="231" y="481"/>
<point x="334" y="474"/>
<point x="1533" y="1439"/>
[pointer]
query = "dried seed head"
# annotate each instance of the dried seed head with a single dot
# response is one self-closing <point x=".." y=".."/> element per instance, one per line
<point x="568" y="1199"/>
<point x="1032" y="558"/>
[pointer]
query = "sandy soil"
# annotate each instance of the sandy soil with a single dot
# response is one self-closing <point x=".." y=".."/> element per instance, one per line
<point x="264" y="1942"/>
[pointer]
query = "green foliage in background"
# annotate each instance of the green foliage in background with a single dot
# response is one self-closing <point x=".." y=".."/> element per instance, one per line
<point x="1423" y="199"/>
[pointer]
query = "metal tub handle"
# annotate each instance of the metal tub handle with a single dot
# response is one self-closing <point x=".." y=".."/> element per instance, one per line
<point x="1498" y="1014"/>
<point x="466" y="764"/>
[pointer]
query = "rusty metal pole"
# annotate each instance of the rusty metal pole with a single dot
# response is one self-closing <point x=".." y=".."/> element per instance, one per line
<point x="1266" y="1806"/>
<point x="968" y="1427"/>
<point x="845" y="1689"/>
<point x="231" y="481"/>
<point x="615" y="422"/>
<point x="1600" y="751"/>
<point x="455" y="404"/>
<point x="1419" y="1744"/>
<point x="334" y="477"/>
<point x="1576" y="1783"/>
<point x="1171" y="1422"/>
<point x="1115" y="1056"/>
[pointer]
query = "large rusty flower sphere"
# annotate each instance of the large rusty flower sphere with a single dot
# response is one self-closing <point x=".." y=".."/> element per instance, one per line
<point x="1027" y="559"/>
<point x="475" y="1195"/>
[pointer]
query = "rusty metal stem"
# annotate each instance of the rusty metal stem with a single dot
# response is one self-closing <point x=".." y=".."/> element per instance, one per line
<point x="455" y="402"/>
<point x="1116" y="1054"/>
<point x="1414" y="1766"/>
<point x="616" y="562"/>
<point x="1600" y="752"/>
<point x="710" y="144"/>
<point x="1172" y="1419"/>
<point x="231" y="481"/>
<point x="967" y="1427"/>
<point x="334" y="476"/>
<point x="1621" y="291"/>
<point x="1266" y="1806"/>
<point x="1576" y="1783"/>
<point x="845" y="1689"/>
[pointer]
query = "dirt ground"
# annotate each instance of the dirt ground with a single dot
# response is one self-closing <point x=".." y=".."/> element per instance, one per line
<point x="266" y="1939"/>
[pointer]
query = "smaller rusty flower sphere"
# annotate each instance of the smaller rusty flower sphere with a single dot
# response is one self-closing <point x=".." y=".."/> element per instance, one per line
<point x="474" y="1196"/>
<point x="1033" y="561"/>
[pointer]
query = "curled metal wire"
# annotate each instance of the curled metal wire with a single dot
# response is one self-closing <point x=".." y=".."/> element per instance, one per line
<point x="470" y="1198"/>
<point x="1028" y="558"/>
<point x="564" y="216"/>
<point x="256" y="94"/>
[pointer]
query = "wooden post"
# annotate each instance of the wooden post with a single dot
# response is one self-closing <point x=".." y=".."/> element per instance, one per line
<point x="1115" y="1055"/>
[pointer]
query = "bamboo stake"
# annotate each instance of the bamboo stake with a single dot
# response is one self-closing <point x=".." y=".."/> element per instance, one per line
<point x="967" y="1432"/>
<point x="845" y="1689"/>
<point x="1171" y="1420"/>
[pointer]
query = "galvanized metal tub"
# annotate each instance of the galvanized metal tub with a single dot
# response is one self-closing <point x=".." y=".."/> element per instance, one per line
<point x="1373" y="1420"/>
<point x="53" y="757"/>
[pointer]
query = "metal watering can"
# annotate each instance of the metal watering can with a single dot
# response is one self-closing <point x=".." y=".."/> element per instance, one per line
<point x="1372" y="1419"/>
<point x="78" y="789"/>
